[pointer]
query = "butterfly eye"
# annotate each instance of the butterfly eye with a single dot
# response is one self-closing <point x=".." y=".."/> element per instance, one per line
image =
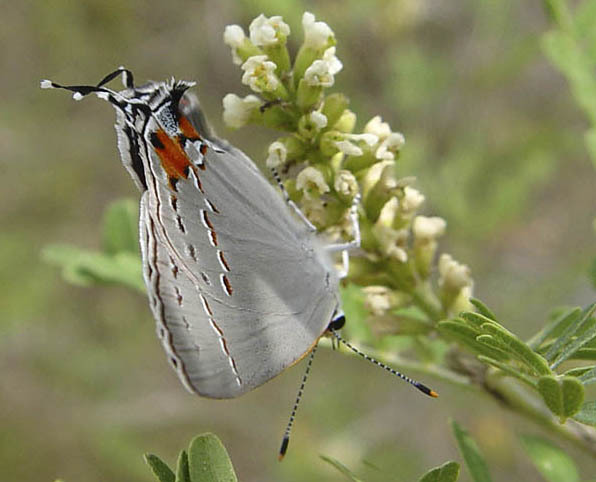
<point x="338" y="321"/>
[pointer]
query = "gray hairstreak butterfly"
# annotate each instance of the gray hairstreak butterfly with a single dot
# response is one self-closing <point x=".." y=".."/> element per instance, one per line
<point x="238" y="282"/>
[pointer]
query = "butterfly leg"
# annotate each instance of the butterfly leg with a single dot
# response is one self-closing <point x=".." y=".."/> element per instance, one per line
<point x="311" y="227"/>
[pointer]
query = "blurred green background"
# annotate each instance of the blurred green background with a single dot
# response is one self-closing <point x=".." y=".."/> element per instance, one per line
<point x="492" y="134"/>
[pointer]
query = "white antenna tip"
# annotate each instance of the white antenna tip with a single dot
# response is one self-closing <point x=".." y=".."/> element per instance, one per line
<point x="46" y="84"/>
<point x="77" y="96"/>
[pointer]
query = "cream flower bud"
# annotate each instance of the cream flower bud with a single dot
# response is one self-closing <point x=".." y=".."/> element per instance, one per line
<point x="411" y="200"/>
<point x="237" y="111"/>
<point x="311" y="179"/>
<point x="377" y="127"/>
<point x="350" y="144"/>
<point x="377" y="299"/>
<point x="388" y="212"/>
<point x="348" y="148"/>
<point x="277" y="154"/>
<point x="318" y="119"/>
<point x="345" y="183"/>
<point x="321" y="72"/>
<point x="390" y="146"/>
<point x="268" y="31"/>
<point x="367" y="138"/>
<point x="428" y="229"/>
<point x="234" y="37"/>
<point x="259" y="74"/>
<point x="317" y="35"/>
<point x="453" y="275"/>
<point x="397" y="253"/>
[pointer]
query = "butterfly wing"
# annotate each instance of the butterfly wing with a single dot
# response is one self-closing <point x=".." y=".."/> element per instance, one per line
<point x="240" y="286"/>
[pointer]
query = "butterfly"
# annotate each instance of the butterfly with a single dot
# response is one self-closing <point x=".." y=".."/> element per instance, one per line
<point x="240" y="287"/>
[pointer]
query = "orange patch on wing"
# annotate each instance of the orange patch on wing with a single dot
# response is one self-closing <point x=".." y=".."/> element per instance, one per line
<point x="187" y="128"/>
<point x="173" y="158"/>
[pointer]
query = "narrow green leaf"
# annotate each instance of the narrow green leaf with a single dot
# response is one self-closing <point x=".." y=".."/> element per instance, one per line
<point x="489" y="341"/>
<point x="552" y="462"/>
<point x="586" y="330"/>
<point x="462" y="333"/>
<point x="584" y="354"/>
<point x="208" y="460"/>
<point x="448" y="472"/>
<point x="587" y="414"/>
<point x="159" y="468"/>
<point x="471" y="453"/>
<point x="588" y="377"/>
<point x="483" y="309"/>
<point x="475" y="319"/>
<point x="551" y="392"/>
<point x="517" y="348"/>
<point x="509" y="370"/>
<point x="340" y="467"/>
<point x="182" y="473"/>
<point x="578" y="371"/>
<point x="120" y="227"/>
<point x="555" y="327"/>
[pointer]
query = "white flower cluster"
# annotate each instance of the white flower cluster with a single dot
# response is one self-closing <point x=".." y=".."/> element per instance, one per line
<point x="265" y="31"/>
<point x="237" y="111"/>
<point x="389" y="143"/>
<point x="317" y="35"/>
<point x="311" y="181"/>
<point x="277" y="155"/>
<point x="259" y="74"/>
<point x="351" y="144"/>
<point x="234" y="37"/>
<point x="321" y="72"/>
<point x="454" y="275"/>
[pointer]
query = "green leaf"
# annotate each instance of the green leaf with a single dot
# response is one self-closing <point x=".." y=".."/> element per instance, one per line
<point x="587" y="414"/>
<point x="584" y="354"/>
<point x="488" y="340"/>
<point x="578" y="371"/>
<point x="471" y="453"/>
<point x="121" y="227"/>
<point x="475" y="319"/>
<point x="483" y="309"/>
<point x="85" y="268"/>
<point x="517" y="348"/>
<point x="588" y="377"/>
<point x="563" y="396"/>
<point x="159" y="468"/>
<point x="182" y="473"/>
<point x="340" y="467"/>
<point x="448" y="472"/>
<point x="462" y="333"/>
<point x="585" y="328"/>
<point x="552" y="462"/>
<point x="509" y="370"/>
<point x="208" y="460"/>
<point x="555" y="328"/>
